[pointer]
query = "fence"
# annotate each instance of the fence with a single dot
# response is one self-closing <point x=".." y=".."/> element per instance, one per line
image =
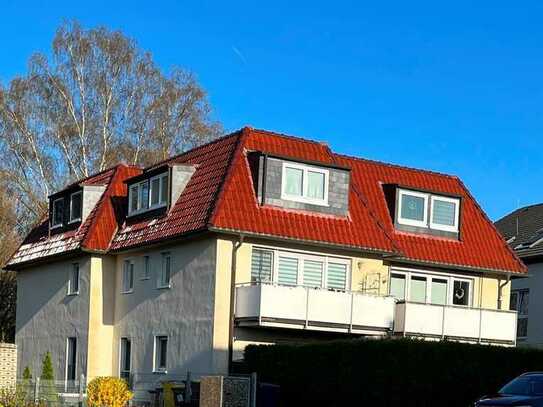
<point x="53" y="392"/>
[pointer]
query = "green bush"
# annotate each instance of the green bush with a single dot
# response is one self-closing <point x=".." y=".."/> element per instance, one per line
<point x="388" y="372"/>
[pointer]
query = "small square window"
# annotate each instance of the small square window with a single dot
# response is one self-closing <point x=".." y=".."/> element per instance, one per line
<point x="161" y="354"/>
<point x="58" y="212"/>
<point x="445" y="212"/>
<point x="304" y="183"/>
<point x="413" y="208"/>
<point x="76" y="206"/>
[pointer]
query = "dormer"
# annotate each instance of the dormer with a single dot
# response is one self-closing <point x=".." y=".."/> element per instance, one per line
<point x="425" y="212"/>
<point x="296" y="184"/>
<point x="71" y="207"/>
<point x="153" y="191"/>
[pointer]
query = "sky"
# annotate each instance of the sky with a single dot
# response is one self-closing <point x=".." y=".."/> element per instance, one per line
<point x="455" y="88"/>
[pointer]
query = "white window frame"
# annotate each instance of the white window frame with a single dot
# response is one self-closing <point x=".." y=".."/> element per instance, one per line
<point x="302" y="255"/>
<point x="160" y="284"/>
<point x="438" y="226"/>
<point x="412" y="222"/>
<point x="71" y="290"/>
<point x="138" y="186"/>
<point x="305" y="170"/>
<point x="429" y="275"/>
<point x="156" y="369"/>
<point x="146" y="267"/>
<point x="73" y="220"/>
<point x="53" y="224"/>
<point x="517" y="306"/>
<point x="131" y="266"/>
<point x="68" y="356"/>
<point x="121" y="364"/>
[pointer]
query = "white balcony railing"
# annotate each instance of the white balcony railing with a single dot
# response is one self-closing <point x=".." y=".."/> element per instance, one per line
<point x="456" y="323"/>
<point x="313" y="308"/>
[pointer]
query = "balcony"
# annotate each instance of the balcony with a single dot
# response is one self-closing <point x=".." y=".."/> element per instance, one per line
<point x="458" y="323"/>
<point x="296" y="307"/>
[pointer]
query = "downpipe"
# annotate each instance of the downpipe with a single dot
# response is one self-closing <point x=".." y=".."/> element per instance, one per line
<point x="233" y="267"/>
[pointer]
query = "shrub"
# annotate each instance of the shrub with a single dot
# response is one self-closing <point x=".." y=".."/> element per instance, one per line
<point x="388" y="372"/>
<point x="108" y="392"/>
<point x="48" y="390"/>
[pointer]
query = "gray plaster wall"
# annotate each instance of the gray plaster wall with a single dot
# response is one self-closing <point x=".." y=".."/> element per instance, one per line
<point x="338" y="189"/>
<point x="183" y="312"/>
<point x="535" y="307"/>
<point x="47" y="316"/>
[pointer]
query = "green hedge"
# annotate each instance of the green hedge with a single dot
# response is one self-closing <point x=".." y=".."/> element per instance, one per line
<point x="388" y="372"/>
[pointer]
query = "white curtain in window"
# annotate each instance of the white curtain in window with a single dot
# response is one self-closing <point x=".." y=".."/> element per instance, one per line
<point x="315" y="185"/>
<point x="287" y="270"/>
<point x="443" y="212"/>
<point x="417" y="289"/>
<point x="397" y="286"/>
<point x="439" y="291"/>
<point x="293" y="180"/>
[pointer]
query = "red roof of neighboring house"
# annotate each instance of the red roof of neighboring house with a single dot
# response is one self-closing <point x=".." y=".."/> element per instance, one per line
<point x="220" y="196"/>
<point x="95" y="233"/>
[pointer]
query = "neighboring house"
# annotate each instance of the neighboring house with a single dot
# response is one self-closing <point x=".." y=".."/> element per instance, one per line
<point x="256" y="237"/>
<point x="523" y="230"/>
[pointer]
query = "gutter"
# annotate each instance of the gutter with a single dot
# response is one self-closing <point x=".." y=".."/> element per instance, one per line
<point x="500" y="289"/>
<point x="233" y="267"/>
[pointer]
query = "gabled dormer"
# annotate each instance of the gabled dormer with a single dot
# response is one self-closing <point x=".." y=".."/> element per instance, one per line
<point x="71" y="207"/>
<point x="156" y="189"/>
<point x="425" y="212"/>
<point x="305" y="185"/>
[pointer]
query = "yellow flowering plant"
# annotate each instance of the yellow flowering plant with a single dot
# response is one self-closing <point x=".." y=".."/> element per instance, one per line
<point x="108" y="392"/>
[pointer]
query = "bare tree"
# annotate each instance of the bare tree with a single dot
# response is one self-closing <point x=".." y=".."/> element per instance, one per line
<point x="98" y="99"/>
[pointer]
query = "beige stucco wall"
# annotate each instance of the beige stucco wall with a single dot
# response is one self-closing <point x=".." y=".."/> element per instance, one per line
<point x="487" y="288"/>
<point x="101" y="316"/>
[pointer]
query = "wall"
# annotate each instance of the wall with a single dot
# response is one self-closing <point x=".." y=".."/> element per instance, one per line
<point x="101" y="316"/>
<point x="183" y="312"/>
<point x="534" y="283"/>
<point x="47" y="316"/>
<point x="8" y="365"/>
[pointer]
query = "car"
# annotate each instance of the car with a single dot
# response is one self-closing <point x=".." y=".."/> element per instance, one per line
<point x="523" y="391"/>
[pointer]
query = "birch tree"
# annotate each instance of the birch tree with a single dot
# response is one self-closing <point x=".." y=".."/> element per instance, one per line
<point x="95" y="100"/>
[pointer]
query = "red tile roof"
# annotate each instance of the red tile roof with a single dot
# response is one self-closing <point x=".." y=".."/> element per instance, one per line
<point x="220" y="196"/>
<point x="94" y="233"/>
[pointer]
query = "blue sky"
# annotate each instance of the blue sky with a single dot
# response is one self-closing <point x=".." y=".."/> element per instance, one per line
<point x="454" y="88"/>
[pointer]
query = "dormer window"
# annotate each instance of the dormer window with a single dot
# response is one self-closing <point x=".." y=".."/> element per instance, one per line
<point x="76" y="206"/>
<point x="148" y="194"/>
<point x="57" y="213"/>
<point x="304" y="183"/>
<point x="427" y="210"/>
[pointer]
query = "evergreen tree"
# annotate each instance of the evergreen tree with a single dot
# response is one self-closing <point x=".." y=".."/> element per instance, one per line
<point x="48" y="391"/>
<point x="27" y="374"/>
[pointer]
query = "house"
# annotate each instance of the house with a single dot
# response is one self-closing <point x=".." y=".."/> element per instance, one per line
<point x="523" y="230"/>
<point x="256" y="237"/>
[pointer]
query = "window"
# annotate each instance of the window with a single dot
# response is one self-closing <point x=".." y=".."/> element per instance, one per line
<point x="73" y="281"/>
<point x="126" y="356"/>
<point x="461" y="292"/>
<point x="520" y="300"/>
<point x="71" y="359"/>
<point x="148" y="194"/>
<point x="146" y="272"/>
<point x="293" y="268"/>
<point x="445" y="213"/>
<point x="128" y="276"/>
<point x="428" y="211"/>
<point x="413" y="208"/>
<point x="76" y="206"/>
<point x="397" y="286"/>
<point x="305" y="184"/>
<point x="165" y="271"/>
<point x="430" y="288"/>
<point x="58" y="212"/>
<point x="161" y="354"/>
<point x="261" y="265"/>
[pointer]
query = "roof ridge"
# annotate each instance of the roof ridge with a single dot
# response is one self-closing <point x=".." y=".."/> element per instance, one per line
<point x="173" y="157"/>
<point x="288" y="136"/>
<point x="393" y="165"/>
